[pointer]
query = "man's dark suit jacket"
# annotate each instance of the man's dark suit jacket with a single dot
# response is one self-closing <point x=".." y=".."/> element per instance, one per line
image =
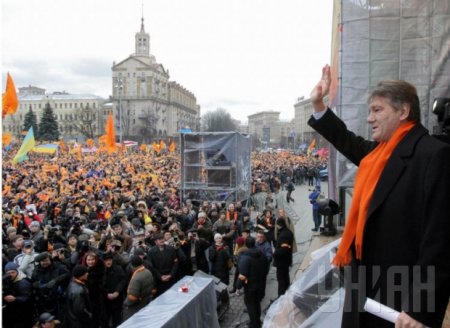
<point x="407" y="231"/>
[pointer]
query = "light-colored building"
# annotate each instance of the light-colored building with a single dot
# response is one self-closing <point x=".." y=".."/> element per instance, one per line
<point x="73" y="112"/>
<point x="267" y="128"/>
<point x="303" y="110"/>
<point x="150" y="106"/>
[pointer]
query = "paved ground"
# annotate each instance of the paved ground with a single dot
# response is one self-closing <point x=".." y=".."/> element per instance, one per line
<point x="301" y="212"/>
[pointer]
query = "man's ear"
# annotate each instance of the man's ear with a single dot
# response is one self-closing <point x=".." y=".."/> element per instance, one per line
<point x="406" y="108"/>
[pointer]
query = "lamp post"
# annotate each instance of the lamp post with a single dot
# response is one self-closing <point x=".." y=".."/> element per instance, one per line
<point x="120" y="87"/>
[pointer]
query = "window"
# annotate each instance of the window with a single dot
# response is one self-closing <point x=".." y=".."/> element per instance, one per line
<point x="65" y="105"/>
<point x="76" y="105"/>
<point x="70" y="105"/>
<point x="39" y="106"/>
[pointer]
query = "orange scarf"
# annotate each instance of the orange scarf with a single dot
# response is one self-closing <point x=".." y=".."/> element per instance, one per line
<point x="369" y="171"/>
<point x="235" y="216"/>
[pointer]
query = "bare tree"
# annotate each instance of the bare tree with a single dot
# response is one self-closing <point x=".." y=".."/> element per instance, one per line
<point x="86" y="123"/>
<point x="147" y="127"/>
<point x="218" y="121"/>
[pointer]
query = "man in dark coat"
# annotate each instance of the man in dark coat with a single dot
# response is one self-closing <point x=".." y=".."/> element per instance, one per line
<point x="113" y="292"/>
<point x="79" y="309"/>
<point x="17" y="298"/>
<point x="164" y="263"/>
<point x="282" y="257"/>
<point x="400" y="249"/>
<point x="50" y="280"/>
<point x="252" y="277"/>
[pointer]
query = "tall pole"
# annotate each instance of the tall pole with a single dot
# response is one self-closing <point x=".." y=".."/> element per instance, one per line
<point x="120" y="86"/>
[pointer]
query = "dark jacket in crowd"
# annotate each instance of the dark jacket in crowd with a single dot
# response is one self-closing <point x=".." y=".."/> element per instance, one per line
<point x="50" y="284"/>
<point x="163" y="262"/>
<point x="252" y="264"/>
<point x="282" y="257"/>
<point x="19" y="313"/>
<point x="219" y="257"/>
<point x="78" y="309"/>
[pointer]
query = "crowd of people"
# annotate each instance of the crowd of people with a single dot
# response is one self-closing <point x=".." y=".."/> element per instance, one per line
<point x="90" y="241"/>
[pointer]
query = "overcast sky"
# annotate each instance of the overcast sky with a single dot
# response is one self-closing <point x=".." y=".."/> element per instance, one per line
<point x="242" y="55"/>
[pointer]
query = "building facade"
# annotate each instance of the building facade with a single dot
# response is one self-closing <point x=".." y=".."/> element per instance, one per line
<point x="77" y="114"/>
<point x="267" y="130"/>
<point x="146" y="104"/>
<point x="303" y="110"/>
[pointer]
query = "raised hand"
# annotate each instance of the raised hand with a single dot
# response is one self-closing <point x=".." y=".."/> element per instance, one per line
<point x="321" y="89"/>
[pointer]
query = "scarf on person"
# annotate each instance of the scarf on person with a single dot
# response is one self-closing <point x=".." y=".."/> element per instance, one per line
<point x="235" y="216"/>
<point x="367" y="176"/>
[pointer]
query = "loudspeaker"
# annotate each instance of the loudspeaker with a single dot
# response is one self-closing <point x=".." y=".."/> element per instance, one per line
<point x="222" y="297"/>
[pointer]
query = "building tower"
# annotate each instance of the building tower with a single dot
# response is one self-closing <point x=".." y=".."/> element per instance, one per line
<point x="142" y="41"/>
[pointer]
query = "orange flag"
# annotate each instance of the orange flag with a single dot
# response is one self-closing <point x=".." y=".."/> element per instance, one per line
<point x="110" y="134"/>
<point x="162" y="145"/>
<point x="9" y="98"/>
<point x="156" y="147"/>
<point x="6" y="139"/>
<point x="172" y="146"/>
<point x="79" y="152"/>
<point x="62" y="145"/>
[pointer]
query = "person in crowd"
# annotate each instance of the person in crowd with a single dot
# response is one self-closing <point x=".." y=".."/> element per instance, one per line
<point x="113" y="291"/>
<point x="15" y="247"/>
<point x="119" y="233"/>
<point x="37" y="236"/>
<point x="49" y="281"/>
<point x="202" y="221"/>
<point x="231" y="214"/>
<point x="266" y="222"/>
<point x="289" y="224"/>
<point x="289" y="188"/>
<point x="95" y="284"/>
<point x="140" y="287"/>
<point x="47" y="320"/>
<point x="25" y="260"/>
<point x="245" y="223"/>
<point x="282" y="257"/>
<point x="266" y="249"/>
<point x="239" y="249"/>
<point x="164" y="262"/>
<point x="220" y="258"/>
<point x="396" y="227"/>
<point x="78" y="306"/>
<point x="251" y="267"/>
<point x="18" y="309"/>
<point x="226" y="228"/>
<point x="60" y="254"/>
<point x="317" y="217"/>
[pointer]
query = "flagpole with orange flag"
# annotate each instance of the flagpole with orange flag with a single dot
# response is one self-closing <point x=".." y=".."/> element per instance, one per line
<point x="9" y="98"/>
<point x="311" y="146"/>
<point x="110" y="134"/>
<point x="172" y="146"/>
<point x="79" y="151"/>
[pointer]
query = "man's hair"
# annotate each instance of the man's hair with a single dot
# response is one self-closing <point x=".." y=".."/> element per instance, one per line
<point x="250" y="242"/>
<point x="399" y="92"/>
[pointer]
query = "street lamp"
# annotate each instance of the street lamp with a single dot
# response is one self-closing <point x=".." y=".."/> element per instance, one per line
<point x="120" y="87"/>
